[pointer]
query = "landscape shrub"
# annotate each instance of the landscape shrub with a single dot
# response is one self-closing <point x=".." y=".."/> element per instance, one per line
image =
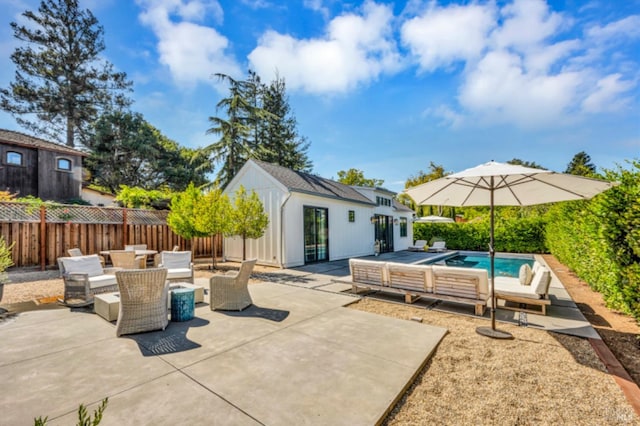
<point x="513" y="235"/>
<point x="600" y="240"/>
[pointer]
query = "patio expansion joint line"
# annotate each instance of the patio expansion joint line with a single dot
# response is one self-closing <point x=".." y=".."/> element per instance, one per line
<point x="193" y="379"/>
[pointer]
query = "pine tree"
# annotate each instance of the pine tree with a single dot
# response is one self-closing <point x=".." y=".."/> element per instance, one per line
<point x="233" y="148"/>
<point x="581" y="165"/>
<point x="61" y="78"/>
<point x="279" y="137"/>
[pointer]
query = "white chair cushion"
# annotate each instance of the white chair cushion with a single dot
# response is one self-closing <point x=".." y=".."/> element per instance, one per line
<point x="179" y="273"/>
<point x="541" y="281"/>
<point x="536" y="265"/>
<point x="511" y="287"/>
<point x="102" y="281"/>
<point x="525" y="275"/>
<point x="176" y="259"/>
<point x="89" y="265"/>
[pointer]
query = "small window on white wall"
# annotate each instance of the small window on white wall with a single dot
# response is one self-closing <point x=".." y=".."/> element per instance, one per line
<point x="14" y="158"/>
<point x="352" y="216"/>
<point x="64" y="164"/>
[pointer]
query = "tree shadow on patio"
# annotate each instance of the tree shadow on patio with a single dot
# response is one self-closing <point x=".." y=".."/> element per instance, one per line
<point x="173" y="339"/>
<point x="254" y="311"/>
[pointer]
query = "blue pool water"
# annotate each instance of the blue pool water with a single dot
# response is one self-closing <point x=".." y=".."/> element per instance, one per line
<point x="504" y="266"/>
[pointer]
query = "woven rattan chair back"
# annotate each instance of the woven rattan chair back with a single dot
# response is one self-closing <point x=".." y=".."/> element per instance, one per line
<point x="127" y="259"/>
<point x="143" y="300"/>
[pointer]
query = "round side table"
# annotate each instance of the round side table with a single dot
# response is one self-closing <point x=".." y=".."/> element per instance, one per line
<point x="182" y="304"/>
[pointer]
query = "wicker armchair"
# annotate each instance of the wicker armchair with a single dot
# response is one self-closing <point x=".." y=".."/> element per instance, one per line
<point x="143" y="300"/>
<point x="229" y="291"/>
<point x="127" y="259"/>
<point x="83" y="277"/>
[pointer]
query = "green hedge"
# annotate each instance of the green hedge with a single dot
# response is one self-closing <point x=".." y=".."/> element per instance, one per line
<point x="600" y="240"/>
<point x="514" y="235"/>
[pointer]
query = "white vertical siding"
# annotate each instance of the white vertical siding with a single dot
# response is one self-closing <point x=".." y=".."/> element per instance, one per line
<point x="346" y="239"/>
<point x="266" y="248"/>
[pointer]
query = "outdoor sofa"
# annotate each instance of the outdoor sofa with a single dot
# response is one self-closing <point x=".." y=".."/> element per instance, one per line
<point x="460" y="285"/>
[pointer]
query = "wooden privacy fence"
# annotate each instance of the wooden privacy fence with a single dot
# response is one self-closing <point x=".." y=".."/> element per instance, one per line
<point x="41" y="234"/>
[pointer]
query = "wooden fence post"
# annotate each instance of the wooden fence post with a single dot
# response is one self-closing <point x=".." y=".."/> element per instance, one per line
<point x="43" y="237"/>
<point x="125" y="228"/>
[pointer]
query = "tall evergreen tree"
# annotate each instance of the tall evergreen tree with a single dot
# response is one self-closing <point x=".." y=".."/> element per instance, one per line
<point x="61" y="82"/>
<point x="581" y="165"/>
<point x="234" y="147"/>
<point x="280" y="140"/>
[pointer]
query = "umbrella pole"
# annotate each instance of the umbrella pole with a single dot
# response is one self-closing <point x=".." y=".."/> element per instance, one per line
<point x="491" y="331"/>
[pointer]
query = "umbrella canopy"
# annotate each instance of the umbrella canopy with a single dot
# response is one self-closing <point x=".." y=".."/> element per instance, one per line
<point x="427" y="219"/>
<point x="499" y="184"/>
<point x="511" y="185"/>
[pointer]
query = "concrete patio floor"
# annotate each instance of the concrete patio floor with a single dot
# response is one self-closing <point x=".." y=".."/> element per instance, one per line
<point x="298" y="356"/>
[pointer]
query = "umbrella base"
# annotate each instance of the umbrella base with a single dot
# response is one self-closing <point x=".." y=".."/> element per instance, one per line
<point x="493" y="333"/>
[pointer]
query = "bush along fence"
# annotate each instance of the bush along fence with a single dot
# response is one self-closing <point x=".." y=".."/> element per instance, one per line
<point x="41" y="234"/>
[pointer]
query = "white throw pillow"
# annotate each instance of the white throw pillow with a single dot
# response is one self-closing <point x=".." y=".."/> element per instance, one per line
<point x="525" y="274"/>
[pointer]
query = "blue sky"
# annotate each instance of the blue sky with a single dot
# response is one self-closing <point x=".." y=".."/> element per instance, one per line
<point x="387" y="87"/>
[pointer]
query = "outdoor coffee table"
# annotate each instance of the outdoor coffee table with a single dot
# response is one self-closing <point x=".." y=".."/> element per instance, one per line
<point x="107" y="305"/>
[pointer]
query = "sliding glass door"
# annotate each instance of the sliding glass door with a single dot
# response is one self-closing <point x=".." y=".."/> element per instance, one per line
<point x="316" y="234"/>
<point x="384" y="232"/>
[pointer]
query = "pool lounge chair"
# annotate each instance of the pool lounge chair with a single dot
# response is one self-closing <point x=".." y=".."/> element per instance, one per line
<point x="536" y="293"/>
<point x="419" y="245"/>
<point x="438" y="246"/>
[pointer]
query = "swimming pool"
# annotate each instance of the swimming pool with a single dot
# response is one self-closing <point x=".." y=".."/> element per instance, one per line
<point x="504" y="265"/>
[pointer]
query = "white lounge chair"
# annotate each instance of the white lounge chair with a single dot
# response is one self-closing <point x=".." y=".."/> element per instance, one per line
<point x="438" y="246"/>
<point x="536" y="293"/>
<point x="419" y="245"/>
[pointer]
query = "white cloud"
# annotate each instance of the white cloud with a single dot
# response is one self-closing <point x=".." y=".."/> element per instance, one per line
<point x="500" y="90"/>
<point x="442" y="36"/>
<point x="191" y="51"/>
<point x="609" y="95"/>
<point x="355" y="50"/>
<point x="526" y="24"/>
<point x="446" y="115"/>
<point x="628" y="27"/>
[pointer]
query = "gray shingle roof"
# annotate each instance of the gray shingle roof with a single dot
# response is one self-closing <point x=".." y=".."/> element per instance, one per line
<point x="310" y="184"/>
<point x="21" y="139"/>
<point x="401" y="207"/>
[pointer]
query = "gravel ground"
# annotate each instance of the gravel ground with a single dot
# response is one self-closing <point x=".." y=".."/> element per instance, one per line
<point x="537" y="378"/>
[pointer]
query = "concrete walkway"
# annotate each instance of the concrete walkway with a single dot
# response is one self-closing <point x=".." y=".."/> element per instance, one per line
<point x="298" y="356"/>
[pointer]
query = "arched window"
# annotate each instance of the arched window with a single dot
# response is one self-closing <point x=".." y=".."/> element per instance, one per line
<point x="64" y="164"/>
<point x="14" y="158"/>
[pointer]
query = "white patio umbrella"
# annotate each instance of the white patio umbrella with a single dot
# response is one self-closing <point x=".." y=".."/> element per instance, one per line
<point x="434" y="219"/>
<point x="499" y="184"/>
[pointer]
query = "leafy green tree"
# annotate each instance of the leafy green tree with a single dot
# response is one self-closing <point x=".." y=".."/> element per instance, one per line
<point x="249" y="219"/>
<point x="213" y="216"/>
<point x="182" y="217"/>
<point x="62" y="82"/>
<point x="127" y="150"/>
<point x="581" y="165"/>
<point x="530" y="164"/>
<point x="234" y="147"/>
<point x="356" y="177"/>
<point x="139" y="198"/>
<point x="436" y="171"/>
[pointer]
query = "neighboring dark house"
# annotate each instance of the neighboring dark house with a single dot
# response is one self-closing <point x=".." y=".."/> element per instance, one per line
<point x="34" y="166"/>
